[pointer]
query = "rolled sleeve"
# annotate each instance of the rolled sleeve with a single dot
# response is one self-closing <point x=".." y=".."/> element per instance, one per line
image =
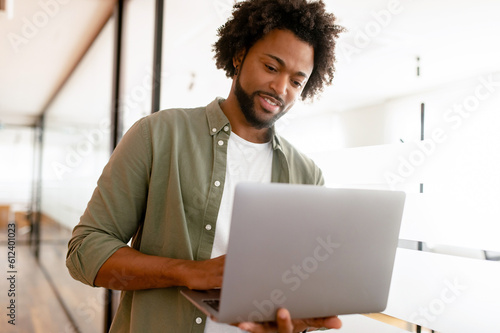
<point x="87" y="253"/>
<point x="117" y="207"/>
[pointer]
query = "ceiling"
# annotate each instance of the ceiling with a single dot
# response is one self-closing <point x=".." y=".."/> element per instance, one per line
<point x="377" y="58"/>
<point x="40" y="46"/>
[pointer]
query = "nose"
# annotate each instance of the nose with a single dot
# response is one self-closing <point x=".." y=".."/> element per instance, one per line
<point x="279" y="84"/>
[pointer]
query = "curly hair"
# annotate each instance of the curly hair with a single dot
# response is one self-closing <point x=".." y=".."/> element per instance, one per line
<point x="253" y="19"/>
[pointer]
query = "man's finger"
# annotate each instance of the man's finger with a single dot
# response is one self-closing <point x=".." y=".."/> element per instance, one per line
<point x="284" y="321"/>
<point x="254" y="327"/>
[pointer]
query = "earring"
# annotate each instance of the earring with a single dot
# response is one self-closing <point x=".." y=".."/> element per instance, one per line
<point x="236" y="70"/>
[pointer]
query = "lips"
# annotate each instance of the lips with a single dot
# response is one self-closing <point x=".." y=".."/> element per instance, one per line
<point x="270" y="103"/>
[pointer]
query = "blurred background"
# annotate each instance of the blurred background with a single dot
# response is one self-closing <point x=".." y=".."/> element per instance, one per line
<point x="414" y="106"/>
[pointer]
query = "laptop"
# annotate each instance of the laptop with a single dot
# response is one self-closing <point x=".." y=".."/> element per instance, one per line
<point x="314" y="250"/>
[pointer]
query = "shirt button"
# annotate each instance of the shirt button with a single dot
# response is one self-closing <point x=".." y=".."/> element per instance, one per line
<point x="208" y="227"/>
<point x="217" y="183"/>
<point x="198" y="320"/>
<point x="226" y="128"/>
<point x="220" y="142"/>
<point x="214" y="130"/>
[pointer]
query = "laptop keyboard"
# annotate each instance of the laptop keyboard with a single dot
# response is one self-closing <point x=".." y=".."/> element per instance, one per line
<point x="213" y="303"/>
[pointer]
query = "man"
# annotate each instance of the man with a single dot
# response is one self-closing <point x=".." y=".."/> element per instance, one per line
<point x="168" y="185"/>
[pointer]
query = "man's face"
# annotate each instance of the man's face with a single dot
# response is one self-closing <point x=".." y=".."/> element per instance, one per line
<point x="272" y="76"/>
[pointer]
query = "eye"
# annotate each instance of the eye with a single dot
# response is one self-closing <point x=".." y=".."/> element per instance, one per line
<point x="271" y="68"/>
<point x="297" y="84"/>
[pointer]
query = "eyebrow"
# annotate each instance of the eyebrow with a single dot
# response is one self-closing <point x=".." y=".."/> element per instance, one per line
<point x="282" y="63"/>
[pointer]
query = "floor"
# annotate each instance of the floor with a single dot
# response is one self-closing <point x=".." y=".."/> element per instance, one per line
<point x="46" y="298"/>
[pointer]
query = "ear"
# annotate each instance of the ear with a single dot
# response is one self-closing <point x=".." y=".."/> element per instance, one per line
<point x="238" y="58"/>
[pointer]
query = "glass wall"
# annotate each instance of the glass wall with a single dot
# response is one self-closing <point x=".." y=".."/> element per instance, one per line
<point x="76" y="146"/>
<point x="137" y="57"/>
<point x="77" y="134"/>
<point x="16" y="172"/>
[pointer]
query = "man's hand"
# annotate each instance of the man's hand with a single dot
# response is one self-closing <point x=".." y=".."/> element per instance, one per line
<point x="285" y="324"/>
<point x="202" y="275"/>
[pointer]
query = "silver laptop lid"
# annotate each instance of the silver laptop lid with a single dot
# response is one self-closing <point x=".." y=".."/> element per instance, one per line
<point x="316" y="251"/>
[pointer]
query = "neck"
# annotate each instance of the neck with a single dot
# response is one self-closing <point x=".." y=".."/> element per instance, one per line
<point x="240" y="125"/>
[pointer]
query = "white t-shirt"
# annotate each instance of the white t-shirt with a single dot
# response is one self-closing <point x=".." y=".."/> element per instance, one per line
<point x="246" y="162"/>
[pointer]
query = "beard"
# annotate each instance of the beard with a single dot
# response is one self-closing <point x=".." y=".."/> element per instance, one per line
<point x="247" y="106"/>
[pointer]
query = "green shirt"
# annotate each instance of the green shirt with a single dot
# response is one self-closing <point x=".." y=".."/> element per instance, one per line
<point x="162" y="188"/>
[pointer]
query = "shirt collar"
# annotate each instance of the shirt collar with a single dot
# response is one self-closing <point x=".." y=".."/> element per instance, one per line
<point x="276" y="140"/>
<point x="216" y="117"/>
<point x="217" y="120"/>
